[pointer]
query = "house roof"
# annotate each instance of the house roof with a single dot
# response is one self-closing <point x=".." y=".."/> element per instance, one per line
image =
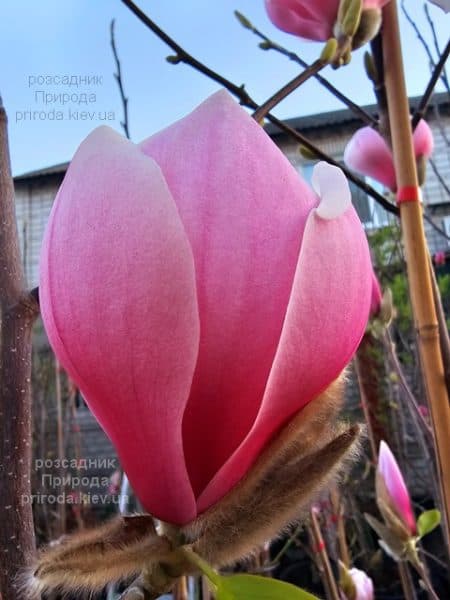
<point x="58" y="169"/>
<point x="345" y="116"/>
<point x="317" y="121"/>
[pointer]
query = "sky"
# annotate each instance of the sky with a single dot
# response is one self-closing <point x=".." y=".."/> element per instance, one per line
<point x="41" y="42"/>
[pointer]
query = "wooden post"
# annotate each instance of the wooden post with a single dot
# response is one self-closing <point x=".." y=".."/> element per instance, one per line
<point x="18" y="311"/>
<point x="416" y="249"/>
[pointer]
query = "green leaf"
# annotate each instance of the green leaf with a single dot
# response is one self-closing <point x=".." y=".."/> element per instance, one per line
<point x="428" y="521"/>
<point x="253" y="587"/>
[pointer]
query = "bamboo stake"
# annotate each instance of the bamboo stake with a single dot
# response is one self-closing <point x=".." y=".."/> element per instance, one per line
<point x="181" y="589"/>
<point x="320" y="549"/>
<point x="415" y="248"/>
<point x="338" y="509"/>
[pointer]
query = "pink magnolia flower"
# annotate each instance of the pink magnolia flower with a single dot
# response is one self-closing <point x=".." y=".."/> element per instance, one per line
<point x="309" y="20"/>
<point x="363" y="584"/>
<point x="395" y="486"/>
<point x="199" y="295"/>
<point x="368" y="154"/>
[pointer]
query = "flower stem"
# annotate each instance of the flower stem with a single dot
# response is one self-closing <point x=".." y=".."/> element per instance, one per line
<point x="195" y="560"/>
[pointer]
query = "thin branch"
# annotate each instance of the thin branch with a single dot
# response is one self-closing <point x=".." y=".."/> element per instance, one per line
<point x="420" y="111"/>
<point x="246" y="100"/>
<point x="418" y="32"/>
<point x="439" y="176"/>
<point x="436" y="42"/>
<point x="185" y="57"/>
<point x="268" y="44"/>
<point x="440" y="231"/>
<point x="287" y="89"/>
<point x="368" y="189"/>
<point x="118" y="77"/>
<point x="390" y="347"/>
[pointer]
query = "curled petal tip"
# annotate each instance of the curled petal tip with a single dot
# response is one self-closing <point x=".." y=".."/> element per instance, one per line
<point x="331" y="185"/>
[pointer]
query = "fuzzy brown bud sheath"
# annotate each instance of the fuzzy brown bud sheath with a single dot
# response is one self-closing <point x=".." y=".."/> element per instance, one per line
<point x="305" y="456"/>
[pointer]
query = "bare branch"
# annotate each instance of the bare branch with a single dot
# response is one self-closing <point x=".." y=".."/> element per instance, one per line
<point x="435" y="40"/>
<point x="438" y="71"/>
<point x="268" y="44"/>
<point x="246" y="100"/>
<point x="183" y="56"/>
<point x="439" y="176"/>
<point x="118" y="77"/>
<point x="287" y="89"/>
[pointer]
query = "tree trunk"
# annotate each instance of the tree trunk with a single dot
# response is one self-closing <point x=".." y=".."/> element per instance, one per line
<point x="17" y="312"/>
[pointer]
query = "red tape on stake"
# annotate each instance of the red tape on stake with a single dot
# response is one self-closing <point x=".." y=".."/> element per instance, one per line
<point x="319" y="548"/>
<point x="408" y="193"/>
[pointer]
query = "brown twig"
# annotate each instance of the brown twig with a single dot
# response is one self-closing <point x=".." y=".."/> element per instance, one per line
<point x="268" y="44"/>
<point x="338" y="510"/>
<point x="185" y="57"/>
<point x="287" y="89"/>
<point x="246" y="100"/>
<point x="320" y="548"/>
<point x="395" y="363"/>
<point x="436" y="43"/>
<point x="118" y="78"/>
<point x="304" y="141"/>
<point x="439" y="176"/>
<point x="18" y="311"/>
<point x="405" y="580"/>
<point x="422" y="572"/>
<point x="420" y="111"/>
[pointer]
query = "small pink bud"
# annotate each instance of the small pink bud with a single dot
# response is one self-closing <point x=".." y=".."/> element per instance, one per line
<point x="368" y="154"/>
<point x="363" y="584"/>
<point x="424" y="411"/>
<point x="395" y="487"/>
<point x="439" y="258"/>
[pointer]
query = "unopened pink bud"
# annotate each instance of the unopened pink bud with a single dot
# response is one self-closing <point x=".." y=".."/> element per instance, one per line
<point x="395" y="485"/>
<point x="368" y="154"/>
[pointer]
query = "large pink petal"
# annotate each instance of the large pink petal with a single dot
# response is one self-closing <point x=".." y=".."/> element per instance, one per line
<point x="309" y="20"/>
<point x="368" y="154"/>
<point x="118" y="300"/>
<point x="326" y="318"/>
<point x="244" y="208"/>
